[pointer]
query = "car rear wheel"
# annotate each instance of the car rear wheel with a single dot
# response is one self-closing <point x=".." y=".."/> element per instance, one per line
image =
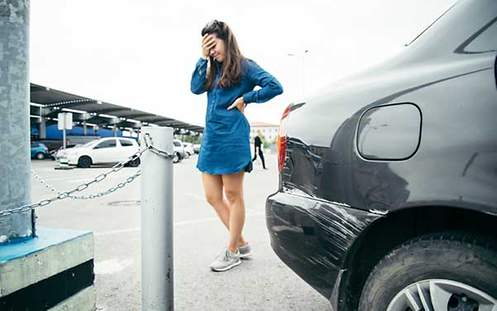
<point x="40" y="156"/>
<point x="437" y="272"/>
<point x="135" y="162"/>
<point x="84" y="162"/>
<point x="176" y="157"/>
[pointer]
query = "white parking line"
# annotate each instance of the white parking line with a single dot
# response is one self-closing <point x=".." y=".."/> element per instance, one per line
<point x="176" y="224"/>
<point x="195" y="196"/>
<point x="103" y="233"/>
<point x="112" y="266"/>
<point x="69" y="180"/>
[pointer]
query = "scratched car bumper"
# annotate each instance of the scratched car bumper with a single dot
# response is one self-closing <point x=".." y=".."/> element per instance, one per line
<point x="313" y="236"/>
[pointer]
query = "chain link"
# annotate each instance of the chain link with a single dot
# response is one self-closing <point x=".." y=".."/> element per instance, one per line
<point x="121" y="185"/>
<point x="69" y="194"/>
<point x="149" y="145"/>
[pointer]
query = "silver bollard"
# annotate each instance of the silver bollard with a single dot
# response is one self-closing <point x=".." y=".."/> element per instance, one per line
<point x="157" y="223"/>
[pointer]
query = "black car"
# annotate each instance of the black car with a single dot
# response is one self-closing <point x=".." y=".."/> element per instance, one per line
<point x="388" y="180"/>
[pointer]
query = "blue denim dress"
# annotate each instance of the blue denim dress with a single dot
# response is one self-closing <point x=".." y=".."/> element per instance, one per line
<point x="226" y="141"/>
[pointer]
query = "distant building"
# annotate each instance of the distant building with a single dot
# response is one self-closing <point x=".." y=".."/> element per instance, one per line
<point x="268" y="131"/>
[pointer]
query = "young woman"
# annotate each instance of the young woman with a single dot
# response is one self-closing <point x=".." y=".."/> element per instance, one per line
<point x="229" y="80"/>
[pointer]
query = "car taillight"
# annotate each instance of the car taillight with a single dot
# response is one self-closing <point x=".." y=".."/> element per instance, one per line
<point x="282" y="139"/>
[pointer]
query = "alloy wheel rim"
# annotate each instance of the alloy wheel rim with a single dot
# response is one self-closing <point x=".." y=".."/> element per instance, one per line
<point x="442" y="295"/>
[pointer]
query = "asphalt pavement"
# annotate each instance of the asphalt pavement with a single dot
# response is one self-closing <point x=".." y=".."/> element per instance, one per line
<point x="262" y="283"/>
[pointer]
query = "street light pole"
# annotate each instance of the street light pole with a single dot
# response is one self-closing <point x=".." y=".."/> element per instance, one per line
<point x="14" y="120"/>
<point x="302" y="72"/>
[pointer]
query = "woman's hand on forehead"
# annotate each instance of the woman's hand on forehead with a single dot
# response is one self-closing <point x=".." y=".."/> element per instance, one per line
<point x="208" y="43"/>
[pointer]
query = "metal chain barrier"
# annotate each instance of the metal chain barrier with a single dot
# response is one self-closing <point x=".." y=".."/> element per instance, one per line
<point x="120" y="185"/>
<point x="150" y="146"/>
<point x="69" y="194"/>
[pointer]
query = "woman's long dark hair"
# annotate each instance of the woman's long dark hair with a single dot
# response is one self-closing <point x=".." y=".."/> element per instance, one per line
<point x="232" y="64"/>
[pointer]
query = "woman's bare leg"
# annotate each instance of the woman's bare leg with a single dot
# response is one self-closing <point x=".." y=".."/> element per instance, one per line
<point x="233" y="189"/>
<point x="213" y="189"/>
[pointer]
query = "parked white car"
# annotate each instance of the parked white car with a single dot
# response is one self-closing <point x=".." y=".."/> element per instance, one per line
<point x="104" y="150"/>
<point x="188" y="148"/>
<point x="179" y="151"/>
<point x="196" y="148"/>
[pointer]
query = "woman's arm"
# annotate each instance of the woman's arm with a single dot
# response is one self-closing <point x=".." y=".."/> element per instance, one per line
<point x="202" y="67"/>
<point x="270" y="87"/>
<point x="199" y="75"/>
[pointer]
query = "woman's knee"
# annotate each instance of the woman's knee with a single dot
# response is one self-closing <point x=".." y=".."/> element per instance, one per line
<point x="213" y="199"/>
<point x="233" y="195"/>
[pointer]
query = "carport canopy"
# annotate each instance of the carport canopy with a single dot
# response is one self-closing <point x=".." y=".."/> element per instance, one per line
<point x="47" y="103"/>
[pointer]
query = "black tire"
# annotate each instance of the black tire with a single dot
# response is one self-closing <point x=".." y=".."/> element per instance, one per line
<point x="84" y="162"/>
<point x="134" y="163"/>
<point x="458" y="257"/>
<point x="40" y="156"/>
<point x="177" y="157"/>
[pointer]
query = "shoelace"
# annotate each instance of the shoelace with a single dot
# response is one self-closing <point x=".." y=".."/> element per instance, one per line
<point x="222" y="254"/>
<point x="225" y="255"/>
<point x="228" y="255"/>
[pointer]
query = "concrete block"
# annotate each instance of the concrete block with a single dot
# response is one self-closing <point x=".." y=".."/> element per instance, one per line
<point x="82" y="301"/>
<point x="48" y="269"/>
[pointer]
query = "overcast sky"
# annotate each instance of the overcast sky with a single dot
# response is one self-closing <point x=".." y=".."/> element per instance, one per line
<point x="141" y="54"/>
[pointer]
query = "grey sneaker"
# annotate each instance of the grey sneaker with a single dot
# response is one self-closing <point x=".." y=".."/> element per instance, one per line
<point x="245" y="251"/>
<point x="226" y="260"/>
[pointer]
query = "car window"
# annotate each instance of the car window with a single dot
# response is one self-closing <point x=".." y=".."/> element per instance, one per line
<point x="177" y="143"/>
<point x="485" y="41"/>
<point x="125" y="143"/>
<point x="88" y="144"/>
<point x="106" y="144"/>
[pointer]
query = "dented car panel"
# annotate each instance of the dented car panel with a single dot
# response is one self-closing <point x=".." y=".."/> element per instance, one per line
<point x="313" y="236"/>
